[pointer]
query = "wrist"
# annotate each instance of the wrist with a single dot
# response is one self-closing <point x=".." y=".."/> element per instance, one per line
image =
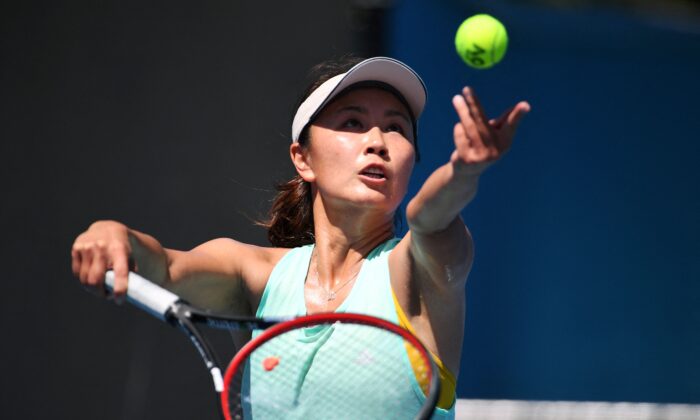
<point x="467" y="172"/>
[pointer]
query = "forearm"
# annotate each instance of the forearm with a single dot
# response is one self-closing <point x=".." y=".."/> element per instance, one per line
<point x="204" y="276"/>
<point x="149" y="256"/>
<point x="442" y="197"/>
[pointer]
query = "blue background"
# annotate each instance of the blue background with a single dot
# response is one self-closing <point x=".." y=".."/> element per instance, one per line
<point x="586" y="280"/>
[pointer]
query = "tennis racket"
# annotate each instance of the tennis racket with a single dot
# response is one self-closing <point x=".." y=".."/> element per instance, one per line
<point x="331" y="365"/>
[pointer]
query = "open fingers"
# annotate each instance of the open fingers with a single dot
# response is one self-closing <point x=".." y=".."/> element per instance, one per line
<point x="475" y="108"/>
<point x="517" y="113"/>
<point x="498" y="122"/>
<point x="467" y="122"/>
<point x="478" y="115"/>
<point x="507" y="123"/>
<point x="461" y="139"/>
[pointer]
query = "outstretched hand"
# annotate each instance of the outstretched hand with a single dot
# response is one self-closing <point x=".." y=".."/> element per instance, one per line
<point x="479" y="141"/>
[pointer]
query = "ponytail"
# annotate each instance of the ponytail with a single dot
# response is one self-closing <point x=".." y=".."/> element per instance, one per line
<point x="291" y="221"/>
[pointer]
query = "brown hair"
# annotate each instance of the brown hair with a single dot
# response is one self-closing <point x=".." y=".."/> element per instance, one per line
<point x="291" y="219"/>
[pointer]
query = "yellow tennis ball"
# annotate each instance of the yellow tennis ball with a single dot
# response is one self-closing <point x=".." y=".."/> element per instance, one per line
<point x="481" y="41"/>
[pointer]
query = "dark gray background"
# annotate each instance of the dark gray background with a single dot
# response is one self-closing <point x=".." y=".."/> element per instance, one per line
<point x="171" y="116"/>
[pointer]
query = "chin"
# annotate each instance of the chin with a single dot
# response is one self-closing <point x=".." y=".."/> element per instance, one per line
<point x="378" y="200"/>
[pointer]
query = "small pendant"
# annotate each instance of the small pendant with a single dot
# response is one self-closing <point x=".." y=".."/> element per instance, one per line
<point x="331" y="296"/>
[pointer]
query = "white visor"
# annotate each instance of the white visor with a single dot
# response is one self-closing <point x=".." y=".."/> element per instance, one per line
<point x="377" y="69"/>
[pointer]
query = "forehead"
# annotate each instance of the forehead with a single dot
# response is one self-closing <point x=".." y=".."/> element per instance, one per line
<point x="368" y="97"/>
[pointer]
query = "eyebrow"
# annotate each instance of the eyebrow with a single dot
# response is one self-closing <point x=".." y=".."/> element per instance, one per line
<point x="363" y="110"/>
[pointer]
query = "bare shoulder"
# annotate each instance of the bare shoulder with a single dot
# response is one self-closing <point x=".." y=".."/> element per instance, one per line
<point x="233" y="270"/>
<point x="251" y="263"/>
<point x="239" y="255"/>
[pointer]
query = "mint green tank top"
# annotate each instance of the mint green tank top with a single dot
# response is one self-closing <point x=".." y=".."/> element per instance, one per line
<point x="371" y="295"/>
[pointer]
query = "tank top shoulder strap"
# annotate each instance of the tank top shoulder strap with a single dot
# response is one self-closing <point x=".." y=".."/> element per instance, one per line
<point x="284" y="291"/>
<point x="371" y="293"/>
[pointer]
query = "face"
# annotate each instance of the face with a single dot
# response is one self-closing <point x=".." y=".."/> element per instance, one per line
<point x="361" y="150"/>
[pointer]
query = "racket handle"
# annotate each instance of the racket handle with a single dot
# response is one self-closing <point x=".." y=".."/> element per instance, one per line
<point x="146" y="295"/>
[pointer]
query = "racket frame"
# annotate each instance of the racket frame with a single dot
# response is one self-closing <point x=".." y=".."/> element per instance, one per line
<point x="175" y="311"/>
<point x="331" y="318"/>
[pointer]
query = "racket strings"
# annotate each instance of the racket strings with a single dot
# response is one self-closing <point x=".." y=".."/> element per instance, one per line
<point x="346" y="371"/>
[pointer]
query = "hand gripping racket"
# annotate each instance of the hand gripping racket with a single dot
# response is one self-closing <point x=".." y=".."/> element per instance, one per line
<point x="331" y="365"/>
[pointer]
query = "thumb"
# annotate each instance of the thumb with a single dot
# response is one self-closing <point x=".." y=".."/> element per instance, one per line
<point x="514" y="117"/>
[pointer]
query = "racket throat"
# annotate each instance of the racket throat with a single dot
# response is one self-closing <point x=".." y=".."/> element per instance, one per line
<point x="217" y="378"/>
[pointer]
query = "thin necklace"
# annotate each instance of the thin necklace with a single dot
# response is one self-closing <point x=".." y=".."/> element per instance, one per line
<point x="332" y="294"/>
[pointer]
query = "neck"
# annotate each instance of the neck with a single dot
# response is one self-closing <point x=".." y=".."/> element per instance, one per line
<point x="343" y="242"/>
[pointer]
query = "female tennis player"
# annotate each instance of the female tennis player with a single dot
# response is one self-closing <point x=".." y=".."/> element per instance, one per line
<point x="353" y="144"/>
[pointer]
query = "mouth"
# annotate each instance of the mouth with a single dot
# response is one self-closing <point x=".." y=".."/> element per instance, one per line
<point x="374" y="172"/>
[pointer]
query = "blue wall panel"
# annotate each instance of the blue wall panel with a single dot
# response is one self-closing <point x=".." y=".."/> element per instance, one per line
<point x="586" y="284"/>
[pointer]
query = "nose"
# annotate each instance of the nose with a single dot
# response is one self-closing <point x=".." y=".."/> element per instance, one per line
<point x="375" y="143"/>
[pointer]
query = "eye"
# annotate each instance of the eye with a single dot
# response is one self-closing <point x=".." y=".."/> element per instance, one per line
<point x="351" y="123"/>
<point x="395" y="127"/>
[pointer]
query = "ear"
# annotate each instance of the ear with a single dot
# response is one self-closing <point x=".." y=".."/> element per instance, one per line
<point x="300" y="159"/>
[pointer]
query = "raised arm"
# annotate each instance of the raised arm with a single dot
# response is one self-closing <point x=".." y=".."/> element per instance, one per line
<point x="440" y="243"/>
<point x="437" y="253"/>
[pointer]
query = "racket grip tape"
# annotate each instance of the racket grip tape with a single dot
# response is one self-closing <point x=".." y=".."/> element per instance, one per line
<point x="145" y="294"/>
